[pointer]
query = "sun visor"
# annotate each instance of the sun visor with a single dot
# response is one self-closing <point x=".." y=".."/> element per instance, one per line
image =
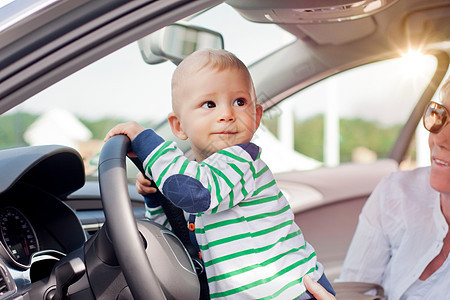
<point x="59" y="170"/>
<point x="427" y="25"/>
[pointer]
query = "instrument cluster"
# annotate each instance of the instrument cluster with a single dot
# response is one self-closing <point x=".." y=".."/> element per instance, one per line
<point x="18" y="235"/>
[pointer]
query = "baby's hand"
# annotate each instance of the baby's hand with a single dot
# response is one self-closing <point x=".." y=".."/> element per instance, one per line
<point x="143" y="185"/>
<point x="130" y="129"/>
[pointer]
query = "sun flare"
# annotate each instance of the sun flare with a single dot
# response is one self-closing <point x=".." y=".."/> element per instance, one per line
<point x="413" y="63"/>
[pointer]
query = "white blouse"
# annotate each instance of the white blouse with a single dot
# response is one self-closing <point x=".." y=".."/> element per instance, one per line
<point x="400" y="231"/>
<point x="433" y="287"/>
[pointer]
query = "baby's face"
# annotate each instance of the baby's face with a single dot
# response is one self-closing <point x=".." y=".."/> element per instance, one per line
<point x="217" y="109"/>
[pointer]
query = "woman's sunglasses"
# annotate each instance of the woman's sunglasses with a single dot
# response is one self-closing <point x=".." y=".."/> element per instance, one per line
<point x="435" y="117"/>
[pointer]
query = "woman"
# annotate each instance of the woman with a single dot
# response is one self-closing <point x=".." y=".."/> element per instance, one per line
<point x="403" y="240"/>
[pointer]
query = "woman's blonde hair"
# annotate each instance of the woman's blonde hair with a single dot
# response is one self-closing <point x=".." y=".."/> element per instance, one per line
<point x="445" y="89"/>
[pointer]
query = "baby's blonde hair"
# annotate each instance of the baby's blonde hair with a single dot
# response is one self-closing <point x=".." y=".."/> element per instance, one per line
<point x="215" y="59"/>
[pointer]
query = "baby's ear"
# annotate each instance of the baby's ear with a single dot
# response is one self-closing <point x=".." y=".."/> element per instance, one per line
<point x="175" y="124"/>
<point x="259" y="113"/>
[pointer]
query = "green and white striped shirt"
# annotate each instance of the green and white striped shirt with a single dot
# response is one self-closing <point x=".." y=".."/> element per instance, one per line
<point x="244" y="226"/>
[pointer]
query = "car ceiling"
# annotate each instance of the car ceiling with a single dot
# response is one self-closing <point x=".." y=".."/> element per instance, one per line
<point x="328" y="22"/>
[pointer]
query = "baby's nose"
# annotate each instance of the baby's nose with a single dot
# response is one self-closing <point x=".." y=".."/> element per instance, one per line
<point x="226" y="114"/>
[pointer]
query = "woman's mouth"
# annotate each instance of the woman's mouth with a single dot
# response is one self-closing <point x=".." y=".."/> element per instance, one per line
<point x="441" y="162"/>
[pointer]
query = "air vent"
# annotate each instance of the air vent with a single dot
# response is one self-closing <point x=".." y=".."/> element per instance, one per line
<point x="6" y="284"/>
<point x="3" y="286"/>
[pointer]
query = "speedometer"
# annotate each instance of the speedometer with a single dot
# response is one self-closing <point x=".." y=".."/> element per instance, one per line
<point x="18" y="235"/>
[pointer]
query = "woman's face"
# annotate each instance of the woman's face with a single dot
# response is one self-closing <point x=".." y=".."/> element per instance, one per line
<point x="439" y="144"/>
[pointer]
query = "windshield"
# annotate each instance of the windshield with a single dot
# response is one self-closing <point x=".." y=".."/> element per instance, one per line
<point x="79" y="110"/>
<point x="295" y="135"/>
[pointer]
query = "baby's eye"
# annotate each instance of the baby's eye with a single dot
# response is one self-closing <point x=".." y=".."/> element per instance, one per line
<point x="209" y="104"/>
<point x="239" y="102"/>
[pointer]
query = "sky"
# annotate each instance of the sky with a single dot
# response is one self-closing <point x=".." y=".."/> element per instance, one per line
<point x="405" y="81"/>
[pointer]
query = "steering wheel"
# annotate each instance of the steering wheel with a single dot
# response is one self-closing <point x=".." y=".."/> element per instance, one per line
<point x="121" y="223"/>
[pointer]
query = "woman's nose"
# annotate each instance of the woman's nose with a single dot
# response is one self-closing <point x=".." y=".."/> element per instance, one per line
<point x="442" y="138"/>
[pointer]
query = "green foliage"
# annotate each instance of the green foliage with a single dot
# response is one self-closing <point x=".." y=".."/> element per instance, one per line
<point x="308" y="134"/>
<point x="308" y="138"/>
<point x="354" y="133"/>
<point x="101" y="127"/>
<point x="371" y="135"/>
<point x="12" y="128"/>
<point x="271" y="124"/>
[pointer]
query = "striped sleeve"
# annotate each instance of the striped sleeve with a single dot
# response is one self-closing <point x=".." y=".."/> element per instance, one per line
<point x="218" y="183"/>
<point x="154" y="211"/>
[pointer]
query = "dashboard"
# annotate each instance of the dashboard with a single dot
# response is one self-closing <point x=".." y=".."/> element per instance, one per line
<point x="48" y="210"/>
<point x="37" y="228"/>
<point x="32" y="221"/>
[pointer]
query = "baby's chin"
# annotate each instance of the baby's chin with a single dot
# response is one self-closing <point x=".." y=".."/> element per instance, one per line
<point x="223" y="144"/>
<point x="214" y="148"/>
<point x="218" y="145"/>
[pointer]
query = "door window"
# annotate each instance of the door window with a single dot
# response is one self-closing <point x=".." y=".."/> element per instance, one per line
<point x="355" y="115"/>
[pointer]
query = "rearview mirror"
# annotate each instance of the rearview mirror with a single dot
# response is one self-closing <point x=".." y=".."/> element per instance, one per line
<point x="177" y="41"/>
